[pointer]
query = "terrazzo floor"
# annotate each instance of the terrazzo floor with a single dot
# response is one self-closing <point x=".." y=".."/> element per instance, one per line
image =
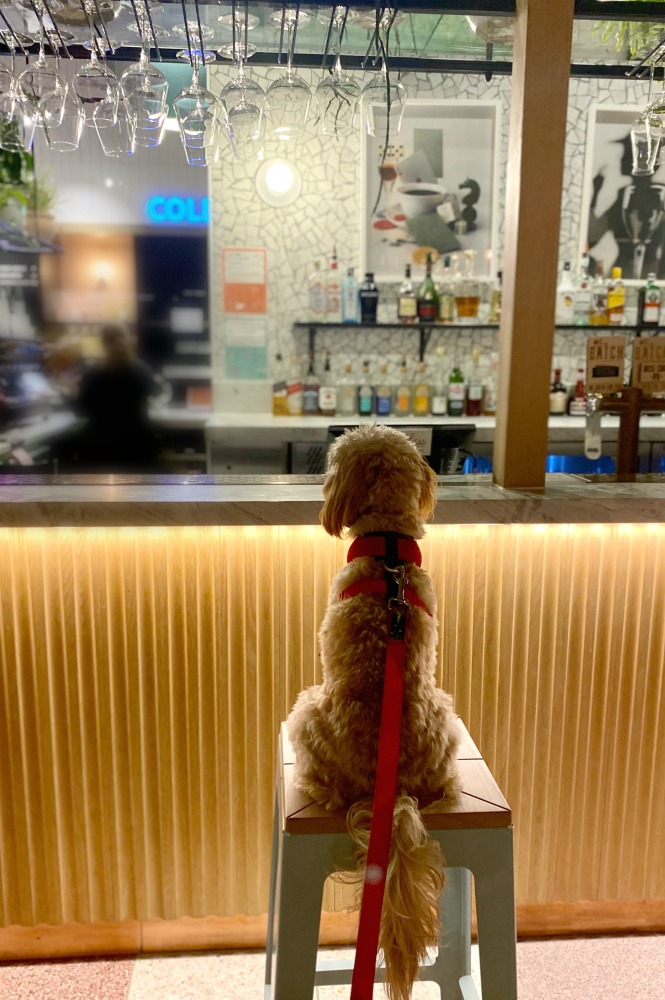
<point x="613" y="968"/>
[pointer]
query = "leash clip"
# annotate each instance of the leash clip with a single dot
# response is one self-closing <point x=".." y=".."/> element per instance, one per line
<point x="399" y="608"/>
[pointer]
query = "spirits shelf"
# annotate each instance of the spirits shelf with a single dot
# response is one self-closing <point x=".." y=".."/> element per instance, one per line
<point x="425" y="330"/>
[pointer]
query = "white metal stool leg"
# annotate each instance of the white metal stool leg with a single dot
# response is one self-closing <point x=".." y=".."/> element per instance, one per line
<point x="495" y="910"/>
<point x="303" y="863"/>
<point x="276" y="829"/>
<point x="453" y="961"/>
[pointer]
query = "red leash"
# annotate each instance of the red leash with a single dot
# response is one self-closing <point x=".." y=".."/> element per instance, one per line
<point x="385" y="790"/>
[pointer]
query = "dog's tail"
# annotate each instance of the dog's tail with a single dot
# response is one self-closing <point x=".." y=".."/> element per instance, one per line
<point x="414" y="883"/>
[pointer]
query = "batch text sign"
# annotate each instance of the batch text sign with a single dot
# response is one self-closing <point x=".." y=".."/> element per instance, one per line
<point x="649" y="364"/>
<point x="605" y="358"/>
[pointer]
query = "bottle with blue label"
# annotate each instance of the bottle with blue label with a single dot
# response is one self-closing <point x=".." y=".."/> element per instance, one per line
<point x="365" y="393"/>
<point x="383" y="396"/>
<point x="350" y="298"/>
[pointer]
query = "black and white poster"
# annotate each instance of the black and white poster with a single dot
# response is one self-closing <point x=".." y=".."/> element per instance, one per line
<point x="623" y="215"/>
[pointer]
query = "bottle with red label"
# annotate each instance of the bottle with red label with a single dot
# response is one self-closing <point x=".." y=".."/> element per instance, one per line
<point x="577" y="402"/>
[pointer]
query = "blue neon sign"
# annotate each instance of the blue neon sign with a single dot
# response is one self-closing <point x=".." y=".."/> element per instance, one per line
<point x="176" y="211"/>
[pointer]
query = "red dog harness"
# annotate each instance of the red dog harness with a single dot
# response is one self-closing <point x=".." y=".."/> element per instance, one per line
<point x="394" y="551"/>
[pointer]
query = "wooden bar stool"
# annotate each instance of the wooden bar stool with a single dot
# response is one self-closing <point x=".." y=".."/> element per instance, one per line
<point x="476" y="836"/>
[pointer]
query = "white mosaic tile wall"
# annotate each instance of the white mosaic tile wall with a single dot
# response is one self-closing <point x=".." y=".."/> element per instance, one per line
<point x="328" y="211"/>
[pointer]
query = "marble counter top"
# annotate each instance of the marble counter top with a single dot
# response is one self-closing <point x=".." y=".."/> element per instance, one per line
<point x="27" y="501"/>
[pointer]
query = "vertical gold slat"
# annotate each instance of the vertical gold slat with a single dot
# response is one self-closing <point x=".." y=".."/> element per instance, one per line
<point x="143" y="674"/>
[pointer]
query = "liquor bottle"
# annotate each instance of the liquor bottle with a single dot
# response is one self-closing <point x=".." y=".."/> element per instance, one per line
<point x="279" y="398"/>
<point x="456" y="393"/>
<point x="474" y="390"/>
<point x="369" y="299"/>
<point x="327" y="391"/>
<point x="495" y="301"/>
<point x="446" y="295"/>
<point x="565" y="297"/>
<point x="439" y="384"/>
<point x="333" y="291"/>
<point x="350" y="298"/>
<point x="383" y="397"/>
<point x="310" y="390"/>
<point x="407" y="304"/>
<point x="294" y="393"/>
<point x="577" y="402"/>
<point x="491" y="387"/>
<point x="558" y="395"/>
<point x="650" y="297"/>
<point x="365" y="392"/>
<point x="403" y="392"/>
<point x="347" y="393"/>
<point x="598" y="312"/>
<point x="467" y="294"/>
<point x="616" y="298"/>
<point x="421" y="395"/>
<point x="582" y="308"/>
<point x="428" y="299"/>
<point x="316" y="295"/>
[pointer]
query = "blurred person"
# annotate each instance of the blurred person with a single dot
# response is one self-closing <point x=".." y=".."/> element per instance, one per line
<point x="114" y="395"/>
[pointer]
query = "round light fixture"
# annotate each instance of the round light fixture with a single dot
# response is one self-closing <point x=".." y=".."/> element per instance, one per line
<point x="278" y="182"/>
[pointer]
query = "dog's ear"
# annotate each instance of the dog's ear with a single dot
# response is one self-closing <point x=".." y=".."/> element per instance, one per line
<point x="342" y="489"/>
<point x="428" y="484"/>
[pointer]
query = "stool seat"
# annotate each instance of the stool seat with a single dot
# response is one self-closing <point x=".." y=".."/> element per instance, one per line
<point x="475" y="833"/>
<point x="478" y="804"/>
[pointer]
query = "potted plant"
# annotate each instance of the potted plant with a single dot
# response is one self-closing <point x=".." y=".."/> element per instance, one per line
<point x="16" y="177"/>
<point x="631" y="37"/>
<point x="42" y="196"/>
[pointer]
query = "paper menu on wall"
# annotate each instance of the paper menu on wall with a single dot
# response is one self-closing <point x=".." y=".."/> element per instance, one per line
<point x="245" y="280"/>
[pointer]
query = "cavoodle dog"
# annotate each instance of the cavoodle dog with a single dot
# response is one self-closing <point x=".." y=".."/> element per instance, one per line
<point x="377" y="483"/>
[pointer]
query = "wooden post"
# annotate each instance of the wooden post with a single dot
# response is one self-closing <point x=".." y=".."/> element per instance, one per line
<point x="541" y="70"/>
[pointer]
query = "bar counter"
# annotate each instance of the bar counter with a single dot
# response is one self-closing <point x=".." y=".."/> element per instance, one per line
<point x="141" y="501"/>
<point x="155" y="633"/>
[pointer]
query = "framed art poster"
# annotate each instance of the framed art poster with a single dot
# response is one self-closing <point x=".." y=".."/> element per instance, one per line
<point x="623" y="216"/>
<point x="433" y="189"/>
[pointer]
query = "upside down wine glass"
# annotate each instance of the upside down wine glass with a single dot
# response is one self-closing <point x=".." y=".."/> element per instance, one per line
<point x="244" y="100"/>
<point x="288" y="98"/>
<point x="44" y="88"/>
<point x="337" y="95"/>
<point x="201" y="117"/>
<point x="145" y="90"/>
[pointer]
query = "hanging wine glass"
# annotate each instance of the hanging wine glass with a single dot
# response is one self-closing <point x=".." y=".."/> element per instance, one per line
<point x="201" y="117"/>
<point x="95" y="85"/>
<point x="244" y="100"/>
<point x="145" y="90"/>
<point x="39" y="81"/>
<point x="382" y="101"/>
<point x="288" y="98"/>
<point x="118" y="140"/>
<point x="66" y="136"/>
<point x="144" y="22"/>
<point x="337" y="95"/>
<point x="383" y="98"/>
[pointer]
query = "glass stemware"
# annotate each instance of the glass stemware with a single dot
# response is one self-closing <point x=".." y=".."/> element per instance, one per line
<point x="337" y="95"/>
<point x="244" y="100"/>
<point x="200" y="119"/>
<point x="66" y="136"/>
<point x="95" y="85"/>
<point x="145" y="90"/>
<point x="44" y="88"/>
<point x="118" y="139"/>
<point x="382" y="101"/>
<point x="288" y="98"/>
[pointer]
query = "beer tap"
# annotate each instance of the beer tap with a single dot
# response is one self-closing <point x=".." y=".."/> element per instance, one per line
<point x="629" y="404"/>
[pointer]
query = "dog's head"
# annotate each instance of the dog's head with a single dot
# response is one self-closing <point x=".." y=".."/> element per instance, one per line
<point x="376" y="475"/>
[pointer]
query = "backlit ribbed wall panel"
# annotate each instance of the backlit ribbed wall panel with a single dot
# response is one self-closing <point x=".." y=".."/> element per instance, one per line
<point x="143" y="674"/>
